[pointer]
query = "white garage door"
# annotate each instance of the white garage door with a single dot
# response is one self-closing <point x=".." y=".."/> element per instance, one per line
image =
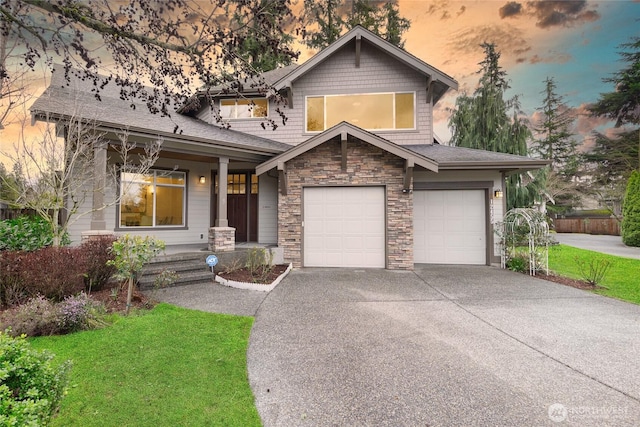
<point x="344" y="227"/>
<point x="449" y="227"/>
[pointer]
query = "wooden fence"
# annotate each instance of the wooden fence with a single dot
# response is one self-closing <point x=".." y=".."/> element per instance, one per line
<point x="609" y="226"/>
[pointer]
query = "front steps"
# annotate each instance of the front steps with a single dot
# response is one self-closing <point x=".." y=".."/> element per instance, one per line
<point x="189" y="267"/>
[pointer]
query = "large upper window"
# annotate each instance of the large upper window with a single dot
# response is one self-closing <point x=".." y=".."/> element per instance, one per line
<point x="372" y="111"/>
<point x="154" y="199"/>
<point x="243" y="108"/>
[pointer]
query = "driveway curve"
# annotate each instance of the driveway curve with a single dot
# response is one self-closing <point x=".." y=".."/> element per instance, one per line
<point x="442" y="346"/>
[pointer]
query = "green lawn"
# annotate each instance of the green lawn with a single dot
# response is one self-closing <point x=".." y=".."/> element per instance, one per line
<point x="622" y="280"/>
<point x="168" y="367"/>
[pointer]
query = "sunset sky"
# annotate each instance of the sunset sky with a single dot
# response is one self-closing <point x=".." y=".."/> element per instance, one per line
<point x="575" y="42"/>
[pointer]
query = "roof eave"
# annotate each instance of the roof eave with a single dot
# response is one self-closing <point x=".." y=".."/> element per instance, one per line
<point x="508" y="167"/>
<point x="346" y="128"/>
<point x="167" y="136"/>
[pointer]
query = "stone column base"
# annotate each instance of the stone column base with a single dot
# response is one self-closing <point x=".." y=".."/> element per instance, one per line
<point x="222" y="239"/>
<point x="96" y="234"/>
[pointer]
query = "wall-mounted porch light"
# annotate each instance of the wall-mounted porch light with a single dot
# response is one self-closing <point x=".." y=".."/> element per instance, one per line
<point x="497" y="194"/>
<point x="203" y="180"/>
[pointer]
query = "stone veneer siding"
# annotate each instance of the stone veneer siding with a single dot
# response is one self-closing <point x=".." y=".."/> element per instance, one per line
<point x="366" y="165"/>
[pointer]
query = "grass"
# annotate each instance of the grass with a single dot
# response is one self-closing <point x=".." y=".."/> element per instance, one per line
<point x="169" y="367"/>
<point x="622" y="280"/>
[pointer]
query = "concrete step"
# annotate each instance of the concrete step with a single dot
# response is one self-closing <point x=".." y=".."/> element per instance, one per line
<point x="188" y="267"/>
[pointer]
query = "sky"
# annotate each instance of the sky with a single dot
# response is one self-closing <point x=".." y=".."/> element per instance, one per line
<point x="574" y="42"/>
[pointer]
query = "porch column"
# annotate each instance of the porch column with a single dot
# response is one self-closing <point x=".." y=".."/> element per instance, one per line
<point x="99" y="180"/>
<point x="222" y="238"/>
<point x="98" y="225"/>
<point x="223" y="171"/>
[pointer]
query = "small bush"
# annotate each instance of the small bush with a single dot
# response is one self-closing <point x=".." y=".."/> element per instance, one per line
<point x="12" y="287"/>
<point x="259" y="263"/>
<point x="34" y="318"/>
<point x="594" y="270"/>
<point x="97" y="254"/>
<point x="26" y="234"/>
<point x="41" y="317"/>
<point x="31" y="387"/>
<point x="53" y="272"/>
<point x="518" y="263"/>
<point x="79" y="312"/>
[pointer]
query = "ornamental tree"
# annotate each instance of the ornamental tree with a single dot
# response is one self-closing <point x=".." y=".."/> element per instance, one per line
<point x="174" y="46"/>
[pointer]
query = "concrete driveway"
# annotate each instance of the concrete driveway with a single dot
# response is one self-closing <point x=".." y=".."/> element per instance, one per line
<point x="442" y="346"/>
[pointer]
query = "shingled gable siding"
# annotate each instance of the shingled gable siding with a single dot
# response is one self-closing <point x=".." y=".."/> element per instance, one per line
<point x="378" y="72"/>
<point x="366" y="165"/>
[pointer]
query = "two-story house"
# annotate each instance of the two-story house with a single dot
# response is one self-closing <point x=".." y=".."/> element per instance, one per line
<point x="354" y="178"/>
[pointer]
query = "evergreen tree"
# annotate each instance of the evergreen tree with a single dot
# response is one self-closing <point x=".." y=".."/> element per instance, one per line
<point x="623" y="105"/>
<point x="631" y="212"/>
<point x="556" y="142"/>
<point x="258" y="55"/>
<point x="486" y="121"/>
<point x="327" y="15"/>
<point x="331" y="18"/>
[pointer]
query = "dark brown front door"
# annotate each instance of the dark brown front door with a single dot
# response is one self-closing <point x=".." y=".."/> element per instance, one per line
<point x="242" y="205"/>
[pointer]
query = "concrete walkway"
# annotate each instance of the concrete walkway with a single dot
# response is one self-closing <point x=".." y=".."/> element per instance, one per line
<point x="442" y="346"/>
<point x="605" y="244"/>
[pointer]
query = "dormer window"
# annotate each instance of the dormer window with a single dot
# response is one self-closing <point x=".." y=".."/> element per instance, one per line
<point x="370" y="111"/>
<point x="245" y="108"/>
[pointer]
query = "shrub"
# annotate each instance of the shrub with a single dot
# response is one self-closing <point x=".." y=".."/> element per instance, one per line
<point x="12" y="287"/>
<point x="26" y="234"/>
<point x="51" y="272"/>
<point x="41" y="317"/>
<point x="518" y="263"/>
<point x="79" y="312"/>
<point x="594" y="270"/>
<point x="631" y="212"/>
<point x="259" y="263"/>
<point x="31" y="387"/>
<point x="34" y="318"/>
<point x="97" y="254"/>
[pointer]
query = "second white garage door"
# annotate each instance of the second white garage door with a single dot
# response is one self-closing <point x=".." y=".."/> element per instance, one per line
<point x="449" y="227"/>
<point x="344" y="227"/>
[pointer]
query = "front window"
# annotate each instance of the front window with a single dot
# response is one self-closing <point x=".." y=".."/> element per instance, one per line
<point x="154" y="199"/>
<point x="371" y="111"/>
<point x="243" y="108"/>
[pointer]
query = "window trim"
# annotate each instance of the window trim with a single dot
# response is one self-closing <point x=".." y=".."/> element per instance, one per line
<point x="251" y="99"/>
<point x="185" y="209"/>
<point x="394" y="93"/>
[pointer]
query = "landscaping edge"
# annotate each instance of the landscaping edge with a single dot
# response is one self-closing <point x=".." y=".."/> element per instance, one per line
<point x="261" y="287"/>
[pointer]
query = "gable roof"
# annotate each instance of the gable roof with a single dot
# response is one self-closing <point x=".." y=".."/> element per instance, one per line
<point x="63" y="100"/>
<point x="253" y="85"/>
<point x="442" y="82"/>
<point x="343" y="129"/>
<point x="456" y="158"/>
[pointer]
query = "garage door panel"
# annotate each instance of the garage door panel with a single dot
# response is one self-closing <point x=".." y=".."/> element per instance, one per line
<point x="450" y="226"/>
<point x="344" y="227"/>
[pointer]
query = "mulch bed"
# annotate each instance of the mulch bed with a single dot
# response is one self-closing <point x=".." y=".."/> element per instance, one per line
<point x="117" y="302"/>
<point x="580" y="284"/>
<point x="243" y="274"/>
